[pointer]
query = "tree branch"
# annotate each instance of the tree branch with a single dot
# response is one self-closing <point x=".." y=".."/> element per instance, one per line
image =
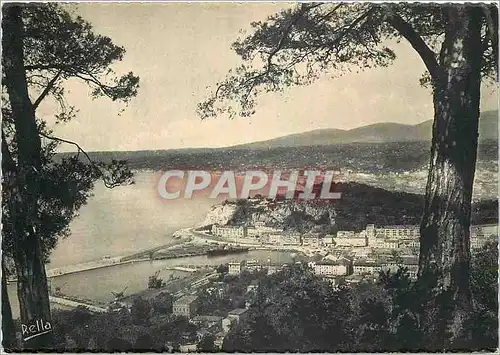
<point x="80" y="149"/>
<point x="416" y="41"/>
<point x="50" y="67"/>
<point x="47" y="89"/>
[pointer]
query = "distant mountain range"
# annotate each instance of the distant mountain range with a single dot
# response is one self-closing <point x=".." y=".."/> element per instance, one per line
<point x="375" y="133"/>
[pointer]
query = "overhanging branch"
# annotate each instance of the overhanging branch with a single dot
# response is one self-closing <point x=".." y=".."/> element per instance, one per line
<point x="80" y="149"/>
<point x="416" y="41"/>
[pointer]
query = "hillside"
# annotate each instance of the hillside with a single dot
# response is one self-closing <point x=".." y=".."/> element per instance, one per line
<point x="375" y="133"/>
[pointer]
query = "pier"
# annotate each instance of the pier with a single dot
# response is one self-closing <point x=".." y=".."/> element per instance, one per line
<point x="91" y="265"/>
<point x="75" y="304"/>
<point x="185" y="268"/>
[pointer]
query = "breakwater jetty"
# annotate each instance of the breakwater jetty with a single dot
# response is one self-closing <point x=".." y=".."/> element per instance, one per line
<point x="71" y="269"/>
<point x="74" y="304"/>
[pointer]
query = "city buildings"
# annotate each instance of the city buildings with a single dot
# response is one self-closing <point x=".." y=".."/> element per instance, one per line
<point x="381" y="238"/>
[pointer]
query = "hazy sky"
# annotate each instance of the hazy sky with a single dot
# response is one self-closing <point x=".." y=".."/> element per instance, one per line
<point x="179" y="49"/>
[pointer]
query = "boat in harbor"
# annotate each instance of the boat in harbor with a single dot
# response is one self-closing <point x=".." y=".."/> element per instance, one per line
<point x="227" y="250"/>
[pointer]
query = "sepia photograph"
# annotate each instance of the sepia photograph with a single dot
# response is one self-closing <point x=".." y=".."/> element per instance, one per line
<point x="249" y="177"/>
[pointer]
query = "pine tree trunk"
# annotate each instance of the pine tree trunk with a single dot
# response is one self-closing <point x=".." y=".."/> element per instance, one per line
<point x="8" y="331"/>
<point x="444" y="249"/>
<point x="32" y="282"/>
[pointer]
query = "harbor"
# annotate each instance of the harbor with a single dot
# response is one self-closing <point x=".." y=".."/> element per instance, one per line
<point x="189" y="260"/>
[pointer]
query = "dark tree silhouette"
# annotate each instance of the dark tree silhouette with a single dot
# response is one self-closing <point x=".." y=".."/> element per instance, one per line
<point x="458" y="44"/>
<point x="43" y="46"/>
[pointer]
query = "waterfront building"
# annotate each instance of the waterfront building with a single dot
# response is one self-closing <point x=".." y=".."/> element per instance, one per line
<point x="352" y="241"/>
<point x="249" y="234"/>
<point x="312" y="240"/>
<point x="259" y="229"/>
<point x="331" y="268"/>
<point x="229" y="232"/>
<point x="235" y="267"/>
<point x="275" y="239"/>
<point x="185" y="306"/>
<point x="266" y="229"/>
<point x="291" y="238"/>
<point x="252" y="265"/>
<point x="253" y="232"/>
<point x="283" y="238"/>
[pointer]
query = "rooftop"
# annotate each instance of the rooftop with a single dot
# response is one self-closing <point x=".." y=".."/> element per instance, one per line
<point x="235" y="262"/>
<point x="237" y="311"/>
<point x="186" y="299"/>
<point x="333" y="262"/>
